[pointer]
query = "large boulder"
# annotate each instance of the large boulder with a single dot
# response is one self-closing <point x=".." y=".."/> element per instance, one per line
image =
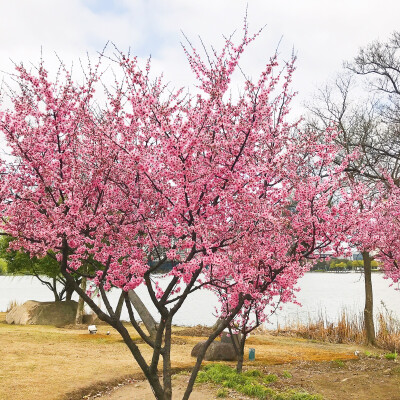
<point x="32" y="312"/>
<point x="217" y="351"/>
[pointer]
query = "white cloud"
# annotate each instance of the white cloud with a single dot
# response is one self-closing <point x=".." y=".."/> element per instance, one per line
<point x="322" y="32"/>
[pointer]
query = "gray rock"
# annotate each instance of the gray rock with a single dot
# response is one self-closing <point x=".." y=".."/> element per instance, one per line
<point x="32" y="312"/>
<point x="227" y="338"/>
<point x="217" y="351"/>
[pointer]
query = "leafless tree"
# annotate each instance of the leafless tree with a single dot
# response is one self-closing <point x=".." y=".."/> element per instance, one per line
<point x="367" y="113"/>
<point x="364" y="103"/>
<point x="341" y="103"/>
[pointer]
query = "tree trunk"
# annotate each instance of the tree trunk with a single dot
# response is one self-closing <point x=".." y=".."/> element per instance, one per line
<point x="217" y="323"/>
<point x="69" y="289"/>
<point x="369" y="300"/>
<point x="120" y="304"/>
<point x="143" y="312"/>
<point x="240" y="354"/>
<point x="167" y="360"/>
<point x="151" y="376"/>
<point x="81" y="304"/>
<point x="238" y="342"/>
<point x="204" y="348"/>
<point x="54" y="289"/>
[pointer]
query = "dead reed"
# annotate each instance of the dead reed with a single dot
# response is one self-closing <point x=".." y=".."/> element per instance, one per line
<point x="388" y="332"/>
<point x="12" y="304"/>
<point x="349" y="328"/>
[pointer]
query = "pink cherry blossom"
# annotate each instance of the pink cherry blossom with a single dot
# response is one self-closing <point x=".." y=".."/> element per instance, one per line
<point x="228" y="188"/>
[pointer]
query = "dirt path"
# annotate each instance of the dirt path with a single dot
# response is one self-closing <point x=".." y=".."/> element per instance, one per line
<point x="141" y="391"/>
<point x="363" y="379"/>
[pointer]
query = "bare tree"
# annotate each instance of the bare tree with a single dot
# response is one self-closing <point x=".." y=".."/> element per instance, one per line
<point x="380" y="63"/>
<point x="359" y="127"/>
<point x="364" y="103"/>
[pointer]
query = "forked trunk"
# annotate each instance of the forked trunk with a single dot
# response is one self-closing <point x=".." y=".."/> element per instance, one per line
<point x="238" y="342"/>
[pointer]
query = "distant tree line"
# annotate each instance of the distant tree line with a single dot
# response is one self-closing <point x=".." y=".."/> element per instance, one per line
<point x="45" y="269"/>
<point x="342" y="265"/>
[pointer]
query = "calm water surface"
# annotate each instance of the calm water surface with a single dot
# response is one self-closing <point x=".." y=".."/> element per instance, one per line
<point x="328" y="293"/>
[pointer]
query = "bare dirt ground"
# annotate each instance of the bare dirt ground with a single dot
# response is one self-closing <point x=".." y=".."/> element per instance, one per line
<point x="364" y="379"/>
<point x="49" y="363"/>
<point x="140" y="390"/>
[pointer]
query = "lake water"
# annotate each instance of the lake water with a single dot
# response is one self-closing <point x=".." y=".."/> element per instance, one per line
<point x="328" y="293"/>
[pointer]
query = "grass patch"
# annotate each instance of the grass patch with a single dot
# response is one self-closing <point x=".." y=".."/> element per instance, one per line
<point x="253" y="372"/>
<point x="184" y="372"/>
<point x="270" y="378"/>
<point x="222" y="392"/>
<point x="287" y="374"/>
<point x="338" y="364"/>
<point x="250" y="383"/>
<point x="371" y="355"/>
<point x="391" y="356"/>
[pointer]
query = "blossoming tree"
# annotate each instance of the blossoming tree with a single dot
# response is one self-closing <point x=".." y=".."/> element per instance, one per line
<point x="225" y="188"/>
<point x="317" y="215"/>
<point x="383" y="230"/>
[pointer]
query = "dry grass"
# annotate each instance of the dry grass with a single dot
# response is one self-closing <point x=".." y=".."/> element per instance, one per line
<point x="279" y="350"/>
<point x="11" y="305"/>
<point x="348" y="329"/>
<point x="47" y="363"/>
<point x="388" y="334"/>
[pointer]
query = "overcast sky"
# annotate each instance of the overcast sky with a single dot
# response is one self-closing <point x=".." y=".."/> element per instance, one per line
<point x="323" y="33"/>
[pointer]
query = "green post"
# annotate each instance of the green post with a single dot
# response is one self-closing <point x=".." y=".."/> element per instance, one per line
<point x="252" y="354"/>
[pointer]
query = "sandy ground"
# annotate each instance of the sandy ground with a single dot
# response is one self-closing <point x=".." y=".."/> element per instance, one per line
<point x="49" y="363"/>
<point x="363" y="379"/>
<point x="141" y="391"/>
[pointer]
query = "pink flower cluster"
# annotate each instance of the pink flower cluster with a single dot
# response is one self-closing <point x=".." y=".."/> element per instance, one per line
<point x="229" y="190"/>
